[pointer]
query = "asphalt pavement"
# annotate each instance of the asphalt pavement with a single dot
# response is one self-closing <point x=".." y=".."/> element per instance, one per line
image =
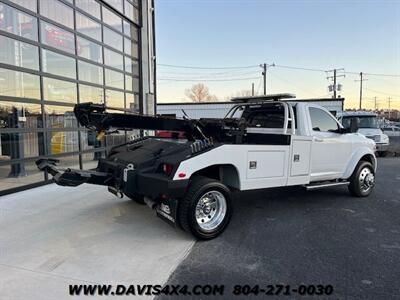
<point x="293" y="237"/>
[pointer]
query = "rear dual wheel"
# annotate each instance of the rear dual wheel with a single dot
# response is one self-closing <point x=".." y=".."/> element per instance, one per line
<point x="206" y="209"/>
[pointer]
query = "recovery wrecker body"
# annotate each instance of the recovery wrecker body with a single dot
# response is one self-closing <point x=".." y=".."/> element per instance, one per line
<point x="263" y="142"/>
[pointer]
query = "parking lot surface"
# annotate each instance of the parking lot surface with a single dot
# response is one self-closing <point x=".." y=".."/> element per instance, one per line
<point x="290" y="236"/>
<point x="51" y="237"/>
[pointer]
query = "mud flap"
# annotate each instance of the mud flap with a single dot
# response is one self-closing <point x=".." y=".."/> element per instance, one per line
<point x="167" y="210"/>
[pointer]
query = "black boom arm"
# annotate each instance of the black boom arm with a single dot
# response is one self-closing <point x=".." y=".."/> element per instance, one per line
<point x="94" y="116"/>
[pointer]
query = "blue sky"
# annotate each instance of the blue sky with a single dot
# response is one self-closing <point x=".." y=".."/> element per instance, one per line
<point x="356" y="35"/>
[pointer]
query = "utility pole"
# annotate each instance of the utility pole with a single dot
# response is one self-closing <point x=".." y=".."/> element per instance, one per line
<point x="375" y="102"/>
<point x="264" y="73"/>
<point x="334" y="77"/>
<point x="389" y="107"/>
<point x="252" y="89"/>
<point x="361" y="82"/>
<point x="334" y="84"/>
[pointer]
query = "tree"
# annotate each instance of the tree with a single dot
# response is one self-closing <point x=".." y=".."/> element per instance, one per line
<point x="200" y="93"/>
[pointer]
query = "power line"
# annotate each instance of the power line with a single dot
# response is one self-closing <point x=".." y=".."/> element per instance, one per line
<point x="295" y="85"/>
<point x="209" y="76"/>
<point x="206" y="68"/>
<point x="206" y="80"/>
<point x="298" y="68"/>
<point x="383" y="93"/>
<point x="274" y="65"/>
<point x="207" y="73"/>
<point x="374" y="74"/>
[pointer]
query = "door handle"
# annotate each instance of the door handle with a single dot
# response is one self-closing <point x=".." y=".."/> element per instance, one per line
<point x="319" y="140"/>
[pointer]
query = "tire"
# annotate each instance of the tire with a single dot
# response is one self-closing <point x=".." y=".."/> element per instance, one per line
<point x="137" y="198"/>
<point x="206" y="208"/>
<point x="362" y="181"/>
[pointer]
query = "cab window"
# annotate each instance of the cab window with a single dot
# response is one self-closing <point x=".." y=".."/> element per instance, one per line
<point x="266" y="119"/>
<point x="322" y="121"/>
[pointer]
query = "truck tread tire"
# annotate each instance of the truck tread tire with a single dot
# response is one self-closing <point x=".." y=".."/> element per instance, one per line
<point x="197" y="188"/>
<point x="355" y="188"/>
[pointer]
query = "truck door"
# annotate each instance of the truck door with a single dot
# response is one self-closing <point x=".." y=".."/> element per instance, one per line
<point x="330" y="150"/>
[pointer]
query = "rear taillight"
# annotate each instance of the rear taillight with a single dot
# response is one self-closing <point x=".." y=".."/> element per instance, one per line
<point x="167" y="169"/>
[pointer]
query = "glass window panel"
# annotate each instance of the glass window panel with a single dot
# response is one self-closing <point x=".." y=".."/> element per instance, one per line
<point x="128" y="64"/>
<point x="69" y="162"/>
<point x="63" y="142"/>
<point x="131" y="66"/>
<point x="58" y="90"/>
<point x="58" y="64"/>
<point x="58" y="38"/>
<point x="113" y="59"/>
<point x="321" y="120"/>
<point x="16" y="145"/>
<point x="90" y="160"/>
<point x="17" y="22"/>
<point x="20" y="115"/>
<point x="131" y="48"/>
<point x="19" y="174"/>
<point x="89" y="6"/>
<point x="132" y="102"/>
<point x="117" y="4"/>
<point x="19" y="54"/>
<point x="128" y="83"/>
<point x="114" y="99"/>
<point x="89" y="141"/>
<point x="28" y="4"/>
<point x="60" y="116"/>
<point x="112" y="38"/>
<point x="131" y="12"/>
<point x="89" y="50"/>
<point x="136" y="85"/>
<point x="127" y="47"/>
<point x="19" y="84"/>
<point x="90" y="73"/>
<point x="88" y="26"/>
<point x="130" y="30"/>
<point x="112" y="19"/>
<point x="88" y="93"/>
<point x="58" y="12"/>
<point x="114" y="79"/>
<point x="116" y="138"/>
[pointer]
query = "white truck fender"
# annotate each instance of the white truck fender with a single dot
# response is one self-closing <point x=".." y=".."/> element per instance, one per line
<point x="355" y="158"/>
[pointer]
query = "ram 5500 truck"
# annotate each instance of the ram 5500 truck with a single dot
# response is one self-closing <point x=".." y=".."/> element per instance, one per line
<point x="263" y="142"/>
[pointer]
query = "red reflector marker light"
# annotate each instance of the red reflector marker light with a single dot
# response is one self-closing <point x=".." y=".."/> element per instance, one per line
<point x="167" y="168"/>
<point x="182" y="175"/>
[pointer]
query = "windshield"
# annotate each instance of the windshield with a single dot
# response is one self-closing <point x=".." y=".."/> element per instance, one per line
<point x="364" y="122"/>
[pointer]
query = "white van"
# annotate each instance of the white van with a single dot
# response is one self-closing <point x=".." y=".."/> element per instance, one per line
<point x="368" y="126"/>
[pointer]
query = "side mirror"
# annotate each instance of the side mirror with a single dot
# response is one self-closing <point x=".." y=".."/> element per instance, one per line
<point x="354" y="122"/>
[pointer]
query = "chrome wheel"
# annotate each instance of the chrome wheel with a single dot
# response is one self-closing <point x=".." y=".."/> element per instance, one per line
<point x="210" y="210"/>
<point x="366" y="180"/>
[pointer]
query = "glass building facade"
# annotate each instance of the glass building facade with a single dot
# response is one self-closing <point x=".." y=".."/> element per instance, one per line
<point x="54" y="54"/>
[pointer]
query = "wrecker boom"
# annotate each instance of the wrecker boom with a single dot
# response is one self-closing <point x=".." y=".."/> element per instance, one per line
<point x="94" y="116"/>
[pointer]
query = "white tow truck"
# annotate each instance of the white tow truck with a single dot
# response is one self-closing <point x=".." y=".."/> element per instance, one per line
<point x="263" y="142"/>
